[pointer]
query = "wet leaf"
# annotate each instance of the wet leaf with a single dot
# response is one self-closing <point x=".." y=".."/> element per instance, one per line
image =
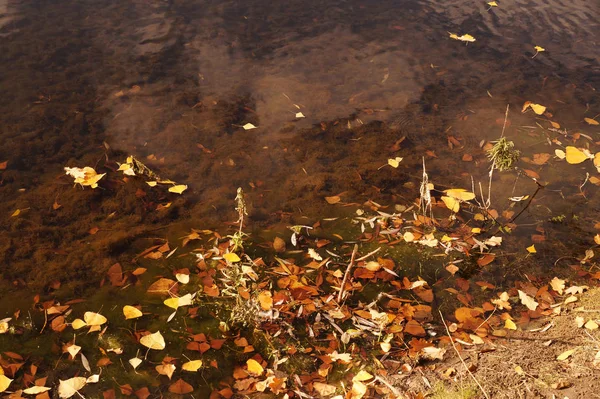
<point x="565" y="355"/>
<point x="70" y="387"/>
<point x="492" y="4"/>
<point x="265" y="298"/>
<point x="527" y="301"/>
<point x="575" y="155"/>
<point x="539" y="49"/>
<point x="78" y="323"/>
<point x="180" y="387"/>
<point x="333" y="200"/>
<point x="560" y="154"/>
<point x="394" y="162"/>
<point x="178" y="189"/>
<point x="131" y="312"/>
<point x="460" y="193"/>
<point x="299" y="115"/>
<point x="166" y="369"/>
<point x="4" y="382"/>
<point x="254" y="367"/>
<point x="85" y="177"/>
<point x="537" y="108"/>
<point x="591" y="121"/>
<point x="94" y="319"/>
<point x="192" y="365"/>
<point x="3" y="166"/>
<point x="231" y="257"/>
<point x="279" y="244"/>
<point x="451" y="203"/>
<point x="463" y="38"/>
<point x="135" y="362"/>
<point x="153" y="341"/>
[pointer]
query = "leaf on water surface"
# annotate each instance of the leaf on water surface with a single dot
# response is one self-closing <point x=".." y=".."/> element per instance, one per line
<point x="4" y="382"/>
<point x="166" y="369"/>
<point x="68" y="388"/>
<point x="591" y="121"/>
<point x="177" y="302"/>
<point x="178" y="189"/>
<point x="192" y="365"/>
<point x="85" y="177"/>
<point x="35" y="390"/>
<point x="15" y="213"/>
<point x="451" y="203"/>
<point x="254" y="367"/>
<point x="394" y="162"/>
<point x="333" y="200"/>
<point x="231" y="257"/>
<point x="153" y="341"/>
<point x="539" y="49"/>
<point x="540" y="159"/>
<point x="527" y="301"/>
<point x="537" y="108"/>
<point x="94" y="319"/>
<point x="73" y="350"/>
<point x="575" y="155"/>
<point x="183" y="278"/>
<point x="78" y="323"/>
<point x="249" y="126"/>
<point x="161" y="286"/>
<point x="463" y="38"/>
<point x="492" y="4"/>
<point x="181" y="387"/>
<point x="560" y="154"/>
<point x="131" y="312"/>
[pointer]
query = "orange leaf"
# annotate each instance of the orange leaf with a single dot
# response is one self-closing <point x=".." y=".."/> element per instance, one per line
<point x="181" y="387"/>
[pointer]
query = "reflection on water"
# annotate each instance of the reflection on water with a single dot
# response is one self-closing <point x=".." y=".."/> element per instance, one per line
<point x="172" y="82"/>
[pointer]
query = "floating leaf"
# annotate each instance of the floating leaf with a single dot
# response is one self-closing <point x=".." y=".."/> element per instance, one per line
<point x="249" y="126"/>
<point x="539" y="49"/>
<point x="131" y="312"/>
<point x="560" y="154"/>
<point x="181" y="387"/>
<point x="299" y="115"/>
<point x="591" y="325"/>
<point x="15" y="213"/>
<point x="94" y="319"/>
<point x="231" y="257"/>
<point x="183" y="278"/>
<point x="153" y="341"/>
<point x="70" y="387"/>
<point x="565" y="355"/>
<point x="4" y="382"/>
<point x="192" y="365"/>
<point x="254" y="367"/>
<point x="463" y="38"/>
<point x="451" y="203"/>
<point x="591" y="121"/>
<point x="86" y="176"/>
<point x="527" y="301"/>
<point x="492" y="4"/>
<point x="178" y="189"/>
<point x="394" y="162"/>
<point x="135" y="362"/>
<point x="537" y="108"/>
<point x="575" y="155"/>
<point x="177" y="302"/>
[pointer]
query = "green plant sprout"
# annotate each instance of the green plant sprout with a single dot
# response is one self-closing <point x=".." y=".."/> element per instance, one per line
<point x="503" y="154"/>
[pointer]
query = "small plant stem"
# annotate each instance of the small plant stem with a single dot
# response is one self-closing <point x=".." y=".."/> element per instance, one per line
<point x="460" y="357"/>
<point x="341" y="293"/>
<point x="539" y="187"/>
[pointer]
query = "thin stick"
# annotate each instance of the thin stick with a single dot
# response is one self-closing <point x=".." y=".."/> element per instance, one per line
<point x="367" y="255"/>
<point x="341" y="294"/>
<point x="460" y="357"/>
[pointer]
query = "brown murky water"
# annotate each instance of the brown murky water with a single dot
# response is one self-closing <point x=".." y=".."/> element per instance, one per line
<point x="171" y="82"/>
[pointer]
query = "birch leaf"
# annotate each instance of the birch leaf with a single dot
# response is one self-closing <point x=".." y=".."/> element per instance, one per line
<point x="575" y="155"/>
<point x="249" y="126"/>
<point x="94" y="319"/>
<point x="68" y="388"/>
<point x="178" y="189"/>
<point x="153" y="341"/>
<point x="192" y="365"/>
<point x="131" y="312"/>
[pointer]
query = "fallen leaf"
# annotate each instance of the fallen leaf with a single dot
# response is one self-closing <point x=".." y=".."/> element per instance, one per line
<point x="460" y="193"/>
<point x="68" y="388"/>
<point x="394" y="162"/>
<point x="179" y="189"/>
<point x="192" y="365"/>
<point x="531" y="249"/>
<point x="463" y="38"/>
<point x="527" y="301"/>
<point x="591" y="325"/>
<point x="166" y="369"/>
<point x="135" y="362"/>
<point x="34" y="390"/>
<point x="324" y="389"/>
<point x="231" y="257"/>
<point x="254" y="367"/>
<point x="3" y="166"/>
<point x="451" y="203"/>
<point x="557" y="285"/>
<point x="333" y="200"/>
<point x="591" y="121"/>
<point x="94" y="319"/>
<point x="4" y="382"/>
<point x="181" y="387"/>
<point x="537" y="108"/>
<point x="574" y="155"/>
<point x="509" y="324"/>
<point x="153" y="341"/>
<point x="249" y="126"/>
<point x="565" y="355"/>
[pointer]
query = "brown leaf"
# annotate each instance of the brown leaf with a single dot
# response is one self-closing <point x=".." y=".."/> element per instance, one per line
<point x="115" y="275"/>
<point x="94" y="230"/>
<point x="414" y="328"/>
<point x="162" y="286"/>
<point x="486" y="259"/>
<point x="279" y="244"/>
<point x="3" y="165"/>
<point x="181" y="387"/>
<point x="333" y="200"/>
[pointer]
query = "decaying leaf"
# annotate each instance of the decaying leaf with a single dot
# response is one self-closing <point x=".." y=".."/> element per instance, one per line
<point x="527" y="301"/>
<point x="181" y="387"/>
<point x="565" y="355"/>
<point x="70" y="387"/>
<point x="178" y="189"/>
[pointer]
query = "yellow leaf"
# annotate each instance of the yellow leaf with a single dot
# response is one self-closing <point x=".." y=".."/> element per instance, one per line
<point x="591" y="325"/>
<point x="539" y="50"/>
<point x="34" y="390"/>
<point x="254" y="367"/>
<point x="575" y="155"/>
<point x="180" y="188"/>
<point x="555" y="125"/>
<point x="231" y="257"/>
<point x="475" y="230"/>
<point x="265" y="299"/>
<point x="597" y="239"/>
<point x="192" y="365"/>
<point x="172" y="303"/>
<point x="249" y="126"/>
<point x="493" y="4"/>
<point x="460" y="193"/>
<point x="463" y="38"/>
<point x="94" y="319"/>
<point x="68" y="388"/>
<point x="4" y="382"/>
<point x="299" y="115"/>
<point x="408" y="236"/>
<point x="591" y="121"/>
<point x="537" y="108"/>
<point x="151" y="183"/>
<point x="451" y="203"/>
<point x="597" y="161"/>
<point x="16" y="213"/>
<point x="362" y="376"/>
<point x="131" y="312"/>
<point x="78" y="323"/>
<point x="531" y="249"/>
<point x="358" y="390"/>
<point x="153" y="341"/>
<point x="519" y="370"/>
<point x="509" y="324"/>
<point x="560" y="154"/>
<point x="394" y="162"/>
<point x="528" y="301"/>
<point x="565" y="355"/>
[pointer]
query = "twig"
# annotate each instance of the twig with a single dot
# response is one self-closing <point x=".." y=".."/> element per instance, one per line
<point x="45" y="320"/>
<point x="390" y="386"/>
<point x="341" y="294"/>
<point x="367" y="255"/>
<point x="460" y="357"/>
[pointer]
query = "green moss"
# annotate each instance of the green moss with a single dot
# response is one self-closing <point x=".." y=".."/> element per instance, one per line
<point x="443" y="391"/>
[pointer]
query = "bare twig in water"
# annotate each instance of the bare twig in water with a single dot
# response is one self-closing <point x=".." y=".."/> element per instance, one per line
<point x="341" y="293"/>
<point x="460" y="357"/>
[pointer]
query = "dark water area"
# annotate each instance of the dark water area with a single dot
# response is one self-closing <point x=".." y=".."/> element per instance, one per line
<point x="86" y="83"/>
